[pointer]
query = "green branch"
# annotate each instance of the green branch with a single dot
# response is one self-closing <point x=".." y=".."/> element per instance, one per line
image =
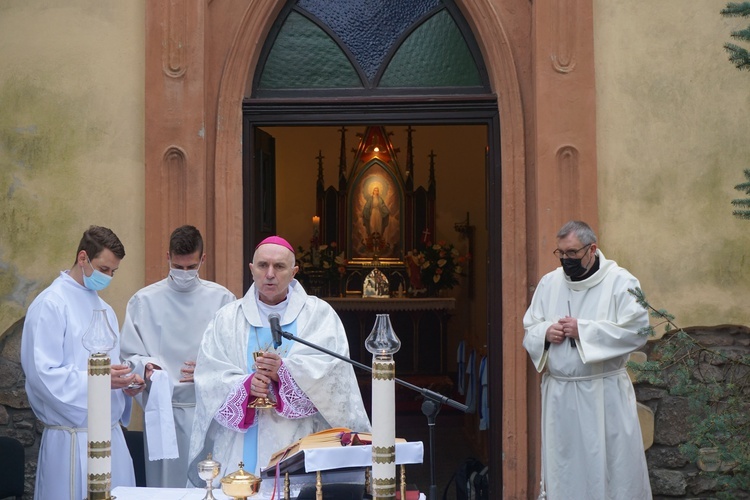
<point x="716" y="388"/>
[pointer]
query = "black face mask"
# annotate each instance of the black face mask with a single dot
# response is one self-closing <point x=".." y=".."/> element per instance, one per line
<point x="573" y="267"/>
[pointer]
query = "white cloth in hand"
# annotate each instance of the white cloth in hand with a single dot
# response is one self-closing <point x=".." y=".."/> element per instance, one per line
<point x="159" y="420"/>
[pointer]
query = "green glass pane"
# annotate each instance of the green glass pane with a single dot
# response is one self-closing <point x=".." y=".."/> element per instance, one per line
<point x="434" y="55"/>
<point x="304" y="56"/>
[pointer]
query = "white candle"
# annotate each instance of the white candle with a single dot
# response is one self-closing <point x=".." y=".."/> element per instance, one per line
<point x="99" y="427"/>
<point x="383" y="344"/>
<point x="99" y="339"/>
<point x="383" y="429"/>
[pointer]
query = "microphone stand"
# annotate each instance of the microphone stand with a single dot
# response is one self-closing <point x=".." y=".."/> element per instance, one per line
<point x="430" y="406"/>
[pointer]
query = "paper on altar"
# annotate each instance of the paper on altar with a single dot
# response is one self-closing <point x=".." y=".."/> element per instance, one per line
<point x="356" y="456"/>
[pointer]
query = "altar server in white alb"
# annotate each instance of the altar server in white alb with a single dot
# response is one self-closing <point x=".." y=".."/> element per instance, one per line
<point x="163" y="328"/>
<point x="313" y="391"/>
<point x="56" y="367"/>
<point x="582" y="326"/>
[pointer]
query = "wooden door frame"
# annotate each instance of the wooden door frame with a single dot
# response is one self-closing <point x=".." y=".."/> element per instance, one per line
<point x="474" y="110"/>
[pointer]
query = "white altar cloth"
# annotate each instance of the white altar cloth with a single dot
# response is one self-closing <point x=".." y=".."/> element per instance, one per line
<point x="323" y="459"/>
<point x="132" y="493"/>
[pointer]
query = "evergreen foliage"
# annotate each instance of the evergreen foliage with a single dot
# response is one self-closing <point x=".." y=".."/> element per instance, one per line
<point x="738" y="56"/>
<point x="743" y="205"/>
<point x="716" y="384"/>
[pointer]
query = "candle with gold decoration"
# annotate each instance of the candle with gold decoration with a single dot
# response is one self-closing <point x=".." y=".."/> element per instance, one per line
<point x="383" y="344"/>
<point x="99" y="339"/>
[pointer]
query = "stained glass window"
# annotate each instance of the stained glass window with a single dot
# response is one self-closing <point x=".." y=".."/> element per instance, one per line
<point x="434" y="55"/>
<point x="305" y="56"/>
<point x="349" y="44"/>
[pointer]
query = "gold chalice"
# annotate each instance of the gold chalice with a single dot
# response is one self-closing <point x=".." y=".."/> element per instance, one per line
<point x="260" y="403"/>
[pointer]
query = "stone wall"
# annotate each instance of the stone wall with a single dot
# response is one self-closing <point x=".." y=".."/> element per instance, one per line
<point x="672" y="475"/>
<point x="16" y="418"/>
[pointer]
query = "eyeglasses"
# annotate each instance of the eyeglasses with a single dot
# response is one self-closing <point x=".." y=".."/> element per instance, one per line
<point x="570" y="254"/>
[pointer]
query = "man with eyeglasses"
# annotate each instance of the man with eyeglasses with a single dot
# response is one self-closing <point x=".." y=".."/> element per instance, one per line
<point x="581" y="326"/>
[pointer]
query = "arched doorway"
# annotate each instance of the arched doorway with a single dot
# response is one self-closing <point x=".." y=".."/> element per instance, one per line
<point x="424" y="70"/>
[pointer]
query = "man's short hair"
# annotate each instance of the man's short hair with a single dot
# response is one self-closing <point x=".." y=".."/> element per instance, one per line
<point x="185" y="240"/>
<point x="583" y="232"/>
<point x="97" y="238"/>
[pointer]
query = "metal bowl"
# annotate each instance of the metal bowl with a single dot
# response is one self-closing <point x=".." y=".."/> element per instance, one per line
<point x="240" y="484"/>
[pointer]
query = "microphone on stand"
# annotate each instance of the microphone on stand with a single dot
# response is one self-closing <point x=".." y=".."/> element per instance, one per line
<point x="274" y="320"/>
<point x="430" y="405"/>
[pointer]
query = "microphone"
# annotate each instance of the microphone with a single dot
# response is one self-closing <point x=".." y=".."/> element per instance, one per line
<point x="274" y="319"/>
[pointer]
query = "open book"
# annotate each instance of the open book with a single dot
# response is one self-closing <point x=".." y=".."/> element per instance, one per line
<point x="291" y="458"/>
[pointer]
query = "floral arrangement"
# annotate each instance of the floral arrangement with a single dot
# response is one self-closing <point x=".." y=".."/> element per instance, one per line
<point x="322" y="260"/>
<point x="440" y="265"/>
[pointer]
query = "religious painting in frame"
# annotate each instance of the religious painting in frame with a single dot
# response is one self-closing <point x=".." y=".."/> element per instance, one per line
<point x="376" y="203"/>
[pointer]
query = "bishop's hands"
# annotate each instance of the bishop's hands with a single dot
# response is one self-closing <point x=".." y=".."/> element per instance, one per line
<point x="566" y="327"/>
<point x="266" y="371"/>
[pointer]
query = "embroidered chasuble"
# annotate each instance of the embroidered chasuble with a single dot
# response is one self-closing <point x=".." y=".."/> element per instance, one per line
<point x="315" y="391"/>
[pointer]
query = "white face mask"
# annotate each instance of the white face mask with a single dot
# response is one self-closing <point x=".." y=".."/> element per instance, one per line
<point x="184" y="279"/>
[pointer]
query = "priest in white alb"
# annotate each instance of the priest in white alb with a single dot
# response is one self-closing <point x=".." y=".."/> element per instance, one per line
<point x="312" y="390"/>
<point x="581" y="327"/>
<point x="161" y="335"/>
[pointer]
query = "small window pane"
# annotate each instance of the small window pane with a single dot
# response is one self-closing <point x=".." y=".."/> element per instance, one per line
<point x="435" y="55"/>
<point x="369" y="28"/>
<point x="304" y="56"/>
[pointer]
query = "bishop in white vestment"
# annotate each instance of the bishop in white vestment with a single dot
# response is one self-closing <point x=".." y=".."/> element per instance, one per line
<point x="313" y="390"/>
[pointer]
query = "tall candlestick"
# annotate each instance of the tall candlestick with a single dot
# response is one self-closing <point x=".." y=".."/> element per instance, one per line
<point x="315" y="242"/>
<point x="383" y="344"/>
<point x="99" y="339"/>
<point x="316" y="226"/>
<point x="99" y="462"/>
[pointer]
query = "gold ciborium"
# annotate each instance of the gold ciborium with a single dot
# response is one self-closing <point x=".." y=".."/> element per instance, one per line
<point x="260" y="403"/>
<point x="208" y="469"/>
<point x="240" y="484"/>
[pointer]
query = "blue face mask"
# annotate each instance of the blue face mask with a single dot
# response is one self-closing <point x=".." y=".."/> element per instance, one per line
<point x="97" y="281"/>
